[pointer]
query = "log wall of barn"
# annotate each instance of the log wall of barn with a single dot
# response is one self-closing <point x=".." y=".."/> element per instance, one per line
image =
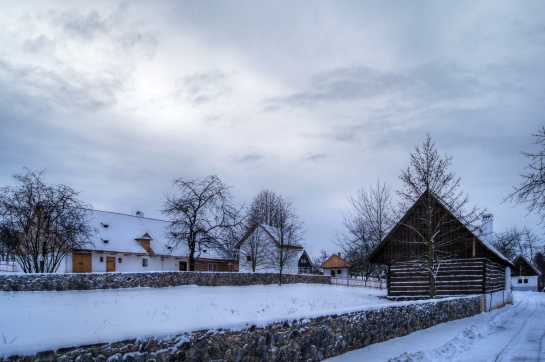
<point x="455" y="277"/>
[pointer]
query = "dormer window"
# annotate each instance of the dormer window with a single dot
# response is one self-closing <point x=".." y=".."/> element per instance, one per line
<point x="104" y="225"/>
<point x="105" y="241"/>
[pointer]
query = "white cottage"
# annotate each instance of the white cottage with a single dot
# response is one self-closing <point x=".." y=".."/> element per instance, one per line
<point x="525" y="275"/>
<point x="127" y="243"/>
<point x="261" y="247"/>
<point x="336" y="267"/>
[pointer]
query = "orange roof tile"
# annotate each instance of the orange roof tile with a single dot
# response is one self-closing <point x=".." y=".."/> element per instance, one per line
<point x="336" y="261"/>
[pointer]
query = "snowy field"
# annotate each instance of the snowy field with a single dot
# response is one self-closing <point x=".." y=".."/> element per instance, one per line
<point x="36" y="321"/>
<point x="513" y="333"/>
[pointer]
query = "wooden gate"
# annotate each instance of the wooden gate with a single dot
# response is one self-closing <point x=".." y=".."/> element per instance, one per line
<point x="81" y="263"/>
<point x="110" y="264"/>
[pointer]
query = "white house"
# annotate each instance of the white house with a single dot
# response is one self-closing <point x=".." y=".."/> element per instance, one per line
<point x="261" y="245"/>
<point x="133" y="243"/>
<point x="525" y="275"/>
<point x="336" y="267"/>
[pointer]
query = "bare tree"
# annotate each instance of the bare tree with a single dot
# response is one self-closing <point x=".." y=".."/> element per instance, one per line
<point x="323" y="255"/>
<point x="41" y="224"/>
<point x="539" y="262"/>
<point x="289" y="235"/>
<point x="514" y="241"/>
<point x="429" y="179"/>
<point x="532" y="190"/>
<point x="263" y="209"/>
<point x="255" y="249"/>
<point x="371" y="218"/>
<point x="507" y="243"/>
<point x="279" y="214"/>
<point x="202" y="216"/>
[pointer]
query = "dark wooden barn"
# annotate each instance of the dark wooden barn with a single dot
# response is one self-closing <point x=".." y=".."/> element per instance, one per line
<point x="463" y="263"/>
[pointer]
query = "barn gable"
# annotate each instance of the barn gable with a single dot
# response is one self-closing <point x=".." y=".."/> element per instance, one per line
<point x="463" y="263"/>
<point x="454" y="239"/>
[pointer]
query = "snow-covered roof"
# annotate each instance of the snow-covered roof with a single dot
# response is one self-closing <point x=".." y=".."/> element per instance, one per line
<point x="335" y="261"/>
<point x="275" y="234"/>
<point x="119" y="233"/>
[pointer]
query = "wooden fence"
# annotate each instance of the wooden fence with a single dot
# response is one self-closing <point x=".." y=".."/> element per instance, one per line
<point x="362" y="283"/>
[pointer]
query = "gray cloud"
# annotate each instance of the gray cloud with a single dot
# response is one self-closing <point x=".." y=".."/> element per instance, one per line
<point x="249" y="159"/>
<point x="433" y="82"/>
<point x="200" y="88"/>
<point x="39" y="44"/>
<point x="84" y="27"/>
<point x="130" y="36"/>
<point x="315" y="157"/>
<point x="45" y="89"/>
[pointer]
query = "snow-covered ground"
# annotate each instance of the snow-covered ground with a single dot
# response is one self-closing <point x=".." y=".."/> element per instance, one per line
<point x="512" y="333"/>
<point x="36" y="321"/>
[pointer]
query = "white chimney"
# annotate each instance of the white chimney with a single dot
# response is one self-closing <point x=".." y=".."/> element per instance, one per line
<point x="139" y="213"/>
<point x="488" y="228"/>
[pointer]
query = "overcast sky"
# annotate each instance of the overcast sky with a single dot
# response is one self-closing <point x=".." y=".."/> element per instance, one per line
<point x="309" y="99"/>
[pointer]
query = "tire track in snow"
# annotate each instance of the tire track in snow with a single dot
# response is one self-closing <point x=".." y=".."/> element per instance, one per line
<point x="526" y="344"/>
<point x="470" y="337"/>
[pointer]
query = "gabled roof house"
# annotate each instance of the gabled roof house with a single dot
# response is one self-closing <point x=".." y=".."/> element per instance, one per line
<point x="336" y="266"/>
<point x="260" y="246"/>
<point x="305" y="265"/>
<point x="524" y="275"/>
<point x="133" y="243"/>
<point x="466" y="263"/>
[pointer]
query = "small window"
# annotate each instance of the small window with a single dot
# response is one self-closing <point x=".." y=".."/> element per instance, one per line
<point x="339" y="272"/>
<point x="102" y="259"/>
<point x="212" y="267"/>
<point x="520" y="281"/>
<point x="525" y="281"/>
<point x="248" y="258"/>
<point x="119" y="260"/>
<point x="145" y="262"/>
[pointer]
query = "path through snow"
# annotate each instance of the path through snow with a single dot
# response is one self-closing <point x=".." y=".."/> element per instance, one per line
<point x="512" y="333"/>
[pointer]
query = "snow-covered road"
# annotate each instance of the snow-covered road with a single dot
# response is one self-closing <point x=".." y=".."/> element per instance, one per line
<point x="513" y="333"/>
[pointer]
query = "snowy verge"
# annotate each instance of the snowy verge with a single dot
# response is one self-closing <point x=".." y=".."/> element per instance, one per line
<point x="38" y="321"/>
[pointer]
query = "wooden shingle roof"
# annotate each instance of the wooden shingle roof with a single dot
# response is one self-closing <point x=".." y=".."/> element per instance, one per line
<point x="336" y="261"/>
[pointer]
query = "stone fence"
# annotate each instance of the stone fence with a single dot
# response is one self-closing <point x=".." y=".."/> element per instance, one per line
<point x="89" y="281"/>
<point x="311" y="339"/>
